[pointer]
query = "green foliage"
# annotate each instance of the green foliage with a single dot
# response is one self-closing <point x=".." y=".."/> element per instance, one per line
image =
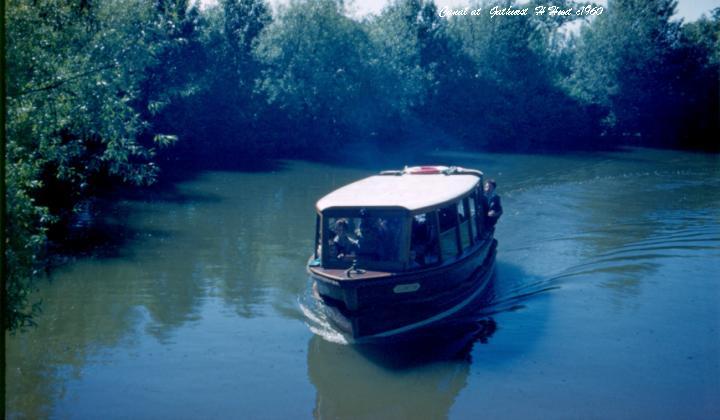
<point x="26" y="226"/>
<point x="76" y="75"/>
<point x="218" y="117"/>
<point x="396" y="55"/>
<point x="511" y="87"/>
<point x="317" y="67"/>
<point x="699" y="86"/>
<point x="704" y="35"/>
<point x="634" y="62"/>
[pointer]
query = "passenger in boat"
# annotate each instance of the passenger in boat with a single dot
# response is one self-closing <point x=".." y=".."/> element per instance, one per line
<point x="342" y="245"/>
<point x="424" y="245"/>
<point x="494" y="207"/>
<point x="373" y="238"/>
<point x="420" y="239"/>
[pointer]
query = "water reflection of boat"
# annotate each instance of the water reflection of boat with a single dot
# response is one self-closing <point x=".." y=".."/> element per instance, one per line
<point x="399" y="251"/>
<point x="413" y="379"/>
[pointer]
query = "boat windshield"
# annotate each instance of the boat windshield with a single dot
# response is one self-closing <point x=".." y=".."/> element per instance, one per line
<point x="364" y="238"/>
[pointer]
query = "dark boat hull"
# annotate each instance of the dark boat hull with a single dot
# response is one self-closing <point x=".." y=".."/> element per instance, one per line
<point x="402" y="303"/>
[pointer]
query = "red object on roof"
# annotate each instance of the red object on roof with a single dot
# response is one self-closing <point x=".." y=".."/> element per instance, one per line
<point x="426" y="170"/>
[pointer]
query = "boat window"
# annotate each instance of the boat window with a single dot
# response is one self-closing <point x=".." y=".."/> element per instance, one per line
<point x="448" y="232"/>
<point x="464" y="219"/>
<point x="362" y="239"/>
<point x="448" y="218"/>
<point x="473" y="215"/>
<point x="481" y="205"/>
<point x="424" y="244"/>
<point x="318" y="243"/>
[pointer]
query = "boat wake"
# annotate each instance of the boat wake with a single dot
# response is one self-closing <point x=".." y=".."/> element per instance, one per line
<point x="316" y="319"/>
<point x="635" y="258"/>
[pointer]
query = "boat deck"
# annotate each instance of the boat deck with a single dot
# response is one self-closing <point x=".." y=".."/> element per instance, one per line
<point x="341" y="274"/>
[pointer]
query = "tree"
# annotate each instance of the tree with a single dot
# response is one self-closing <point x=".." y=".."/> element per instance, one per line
<point x="699" y="54"/>
<point x="173" y="76"/>
<point x="218" y="119"/>
<point x="627" y="62"/>
<point x="317" y="71"/>
<point x="75" y="78"/>
<point x="396" y="56"/>
<point x="511" y="92"/>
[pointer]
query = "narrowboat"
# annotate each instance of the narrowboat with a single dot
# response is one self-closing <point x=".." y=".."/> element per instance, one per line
<point x="401" y="250"/>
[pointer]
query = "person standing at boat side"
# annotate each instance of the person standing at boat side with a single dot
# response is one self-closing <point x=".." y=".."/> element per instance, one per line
<point x="494" y="207"/>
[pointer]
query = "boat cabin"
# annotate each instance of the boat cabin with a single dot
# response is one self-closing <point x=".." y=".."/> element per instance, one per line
<point x="401" y="220"/>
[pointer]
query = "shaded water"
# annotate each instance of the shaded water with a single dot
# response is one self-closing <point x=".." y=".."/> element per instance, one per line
<point x="606" y="303"/>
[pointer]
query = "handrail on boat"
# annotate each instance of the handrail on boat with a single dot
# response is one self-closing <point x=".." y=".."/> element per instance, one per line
<point x="353" y="270"/>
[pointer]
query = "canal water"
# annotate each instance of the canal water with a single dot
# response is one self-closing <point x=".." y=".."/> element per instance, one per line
<point x="605" y="303"/>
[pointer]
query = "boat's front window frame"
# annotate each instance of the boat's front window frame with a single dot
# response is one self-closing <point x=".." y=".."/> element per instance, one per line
<point x="465" y="224"/>
<point x="399" y="238"/>
<point x="449" y="228"/>
<point x="472" y="214"/>
<point x="317" y="247"/>
<point x="425" y="240"/>
<point x="480" y="212"/>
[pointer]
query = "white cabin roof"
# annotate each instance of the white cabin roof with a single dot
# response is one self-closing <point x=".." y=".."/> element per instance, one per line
<point x="410" y="191"/>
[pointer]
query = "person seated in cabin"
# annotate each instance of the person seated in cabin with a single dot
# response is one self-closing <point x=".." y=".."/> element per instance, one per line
<point x="448" y="216"/>
<point x="494" y="207"/>
<point x="420" y="240"/>
<point x="424" y="249"/>
<point x="342" y="245"/>
<point x="372" y="238"/>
